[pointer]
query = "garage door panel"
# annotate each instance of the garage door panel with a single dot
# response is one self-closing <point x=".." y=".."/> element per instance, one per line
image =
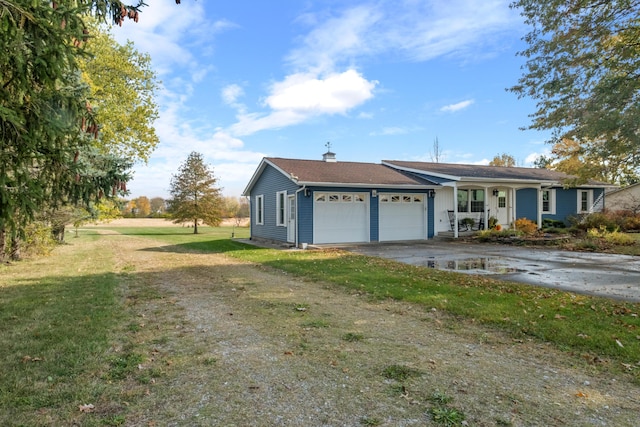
<point x="402" y="217"/>
<point x="340" y="218"/>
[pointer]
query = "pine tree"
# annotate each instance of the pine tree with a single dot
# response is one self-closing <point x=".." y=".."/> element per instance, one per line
<point x="194" y="195"/>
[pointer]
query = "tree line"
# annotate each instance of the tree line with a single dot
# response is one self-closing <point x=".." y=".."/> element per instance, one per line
<point x="156" y="207"/>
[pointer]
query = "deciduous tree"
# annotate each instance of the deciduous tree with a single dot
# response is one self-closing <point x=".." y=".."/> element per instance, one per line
<point x="583" y="69"/>
<point x="158" y="206"/>
<point x="122" y="86"/>
<point x="503" y="159"/>
<point x="143" y="207"/>
<point x="194" y="194"/>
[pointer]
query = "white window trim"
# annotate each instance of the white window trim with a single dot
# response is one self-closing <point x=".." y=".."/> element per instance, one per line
<point x="589" y="201"/>
<point x="281" y="208"/>
<point x="552" y="201"/>
<point x="260" y="209"/>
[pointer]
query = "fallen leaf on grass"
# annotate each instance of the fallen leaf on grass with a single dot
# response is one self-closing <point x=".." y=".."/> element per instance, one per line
<point x="559" y="316"/>
<point x="581" y="394"/>
<point x="26" y="359"/>
<point x="288" y="353"/>
<point x="86" y="408"/>
<point x="619" y="343"/>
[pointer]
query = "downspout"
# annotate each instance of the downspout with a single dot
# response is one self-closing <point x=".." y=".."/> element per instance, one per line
<point x="297" y="243"/>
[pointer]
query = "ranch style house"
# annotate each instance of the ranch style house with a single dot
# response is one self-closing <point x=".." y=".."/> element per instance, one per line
<point x="303" y="202"/>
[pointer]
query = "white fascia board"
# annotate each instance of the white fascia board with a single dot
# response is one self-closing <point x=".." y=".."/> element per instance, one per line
<point x="492" y="181"/>
<point x="369" y="185"/>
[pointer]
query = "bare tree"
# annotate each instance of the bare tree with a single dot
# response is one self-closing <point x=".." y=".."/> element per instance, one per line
<point x="436" y="151"/>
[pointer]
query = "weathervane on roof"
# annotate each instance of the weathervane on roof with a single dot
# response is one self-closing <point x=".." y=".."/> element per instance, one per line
<point x="329" y="156"/>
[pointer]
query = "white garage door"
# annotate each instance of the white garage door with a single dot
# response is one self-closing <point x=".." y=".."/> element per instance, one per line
<point x="402" y="217"/>
<point x="340" y="217"/>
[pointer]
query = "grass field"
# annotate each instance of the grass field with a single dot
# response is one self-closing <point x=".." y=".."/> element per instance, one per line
<point x="69" y="336"/>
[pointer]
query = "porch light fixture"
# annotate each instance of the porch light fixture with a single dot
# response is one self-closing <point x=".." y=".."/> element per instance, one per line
<point x="431" y="193"/>
<point x="307" y="192"/>
<point x="374" y="193"/>
<point x="496" y="192"/>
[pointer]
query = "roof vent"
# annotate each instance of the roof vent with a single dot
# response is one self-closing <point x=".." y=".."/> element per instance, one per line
<point x="329" y="156"/>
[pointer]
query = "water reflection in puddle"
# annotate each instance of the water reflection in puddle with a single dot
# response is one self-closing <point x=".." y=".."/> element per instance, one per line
<point x="473" y="265"/>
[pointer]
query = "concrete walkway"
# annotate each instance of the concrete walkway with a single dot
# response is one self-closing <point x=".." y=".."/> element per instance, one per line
<point x="613" y="276"/>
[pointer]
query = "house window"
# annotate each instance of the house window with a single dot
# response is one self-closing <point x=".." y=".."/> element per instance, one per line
<point x="477" y="200"/>
<point x="260" y="209"/>
<point x="281" y="205"/>
<point x="358" y="198"/>
<point x="502" y="199"/>
<point x="585" y="200"/>
<point x="321" y="197"/>
<point x="470" y="200"/>
<point x="463" y="201"/>
<point x="347" y="198"/>
<point x="549" y="201"/>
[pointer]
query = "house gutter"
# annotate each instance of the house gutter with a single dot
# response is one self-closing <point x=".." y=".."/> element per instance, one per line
<point x="297" y="243"/>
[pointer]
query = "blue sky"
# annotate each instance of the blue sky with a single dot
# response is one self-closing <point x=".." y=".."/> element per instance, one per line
<point x="380" y="80"/>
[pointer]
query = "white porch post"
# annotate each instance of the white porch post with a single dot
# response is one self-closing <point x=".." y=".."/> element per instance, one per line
<point x="485" y="226"/>
<point x="455" y="211"/>
<point x="512" y="211"/>
<point x="539" y="207"/>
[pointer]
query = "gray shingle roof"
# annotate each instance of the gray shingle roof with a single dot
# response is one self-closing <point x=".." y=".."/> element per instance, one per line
<point x="487" y="172"/>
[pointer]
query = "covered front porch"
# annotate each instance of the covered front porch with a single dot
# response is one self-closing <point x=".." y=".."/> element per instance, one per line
<point x="473" y="206"/>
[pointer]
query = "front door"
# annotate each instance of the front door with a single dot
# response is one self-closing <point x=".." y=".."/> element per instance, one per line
<point x="291" y="219"/>
<point x="499" y="208"/>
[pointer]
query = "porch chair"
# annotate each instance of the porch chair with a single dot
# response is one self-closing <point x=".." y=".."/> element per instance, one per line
<point x="452" y="221"/>
<point x="480" y="222"/>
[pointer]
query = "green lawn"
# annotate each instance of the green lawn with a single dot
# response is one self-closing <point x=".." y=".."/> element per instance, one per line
<point x="59" y="316"/>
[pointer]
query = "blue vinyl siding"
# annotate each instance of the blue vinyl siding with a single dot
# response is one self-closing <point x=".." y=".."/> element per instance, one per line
<point x="566" y="204"/>
<point x="305" y="218"/>
<point x="270" y="182"/>
<point x="527" y="204"/>
<point x="374" y="218"/>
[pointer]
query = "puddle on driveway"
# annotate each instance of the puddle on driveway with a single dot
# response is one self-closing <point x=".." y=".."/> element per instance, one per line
<point x="481" y="265"/>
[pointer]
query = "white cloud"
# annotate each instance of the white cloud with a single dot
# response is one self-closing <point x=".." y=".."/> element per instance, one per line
<point x="168" y="32"/>
<point x="393" y="130"/>
<point x="231" y="93"/>
<point x="302" y="96"/>
<point x="419" y="31"/>
<point x="336" y="38"/>
<point x="457" y="107"/>
<point x="532" y="157"/>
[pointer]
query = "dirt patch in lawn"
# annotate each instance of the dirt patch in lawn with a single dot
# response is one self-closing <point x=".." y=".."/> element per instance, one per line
<point x="235" y="344"/>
